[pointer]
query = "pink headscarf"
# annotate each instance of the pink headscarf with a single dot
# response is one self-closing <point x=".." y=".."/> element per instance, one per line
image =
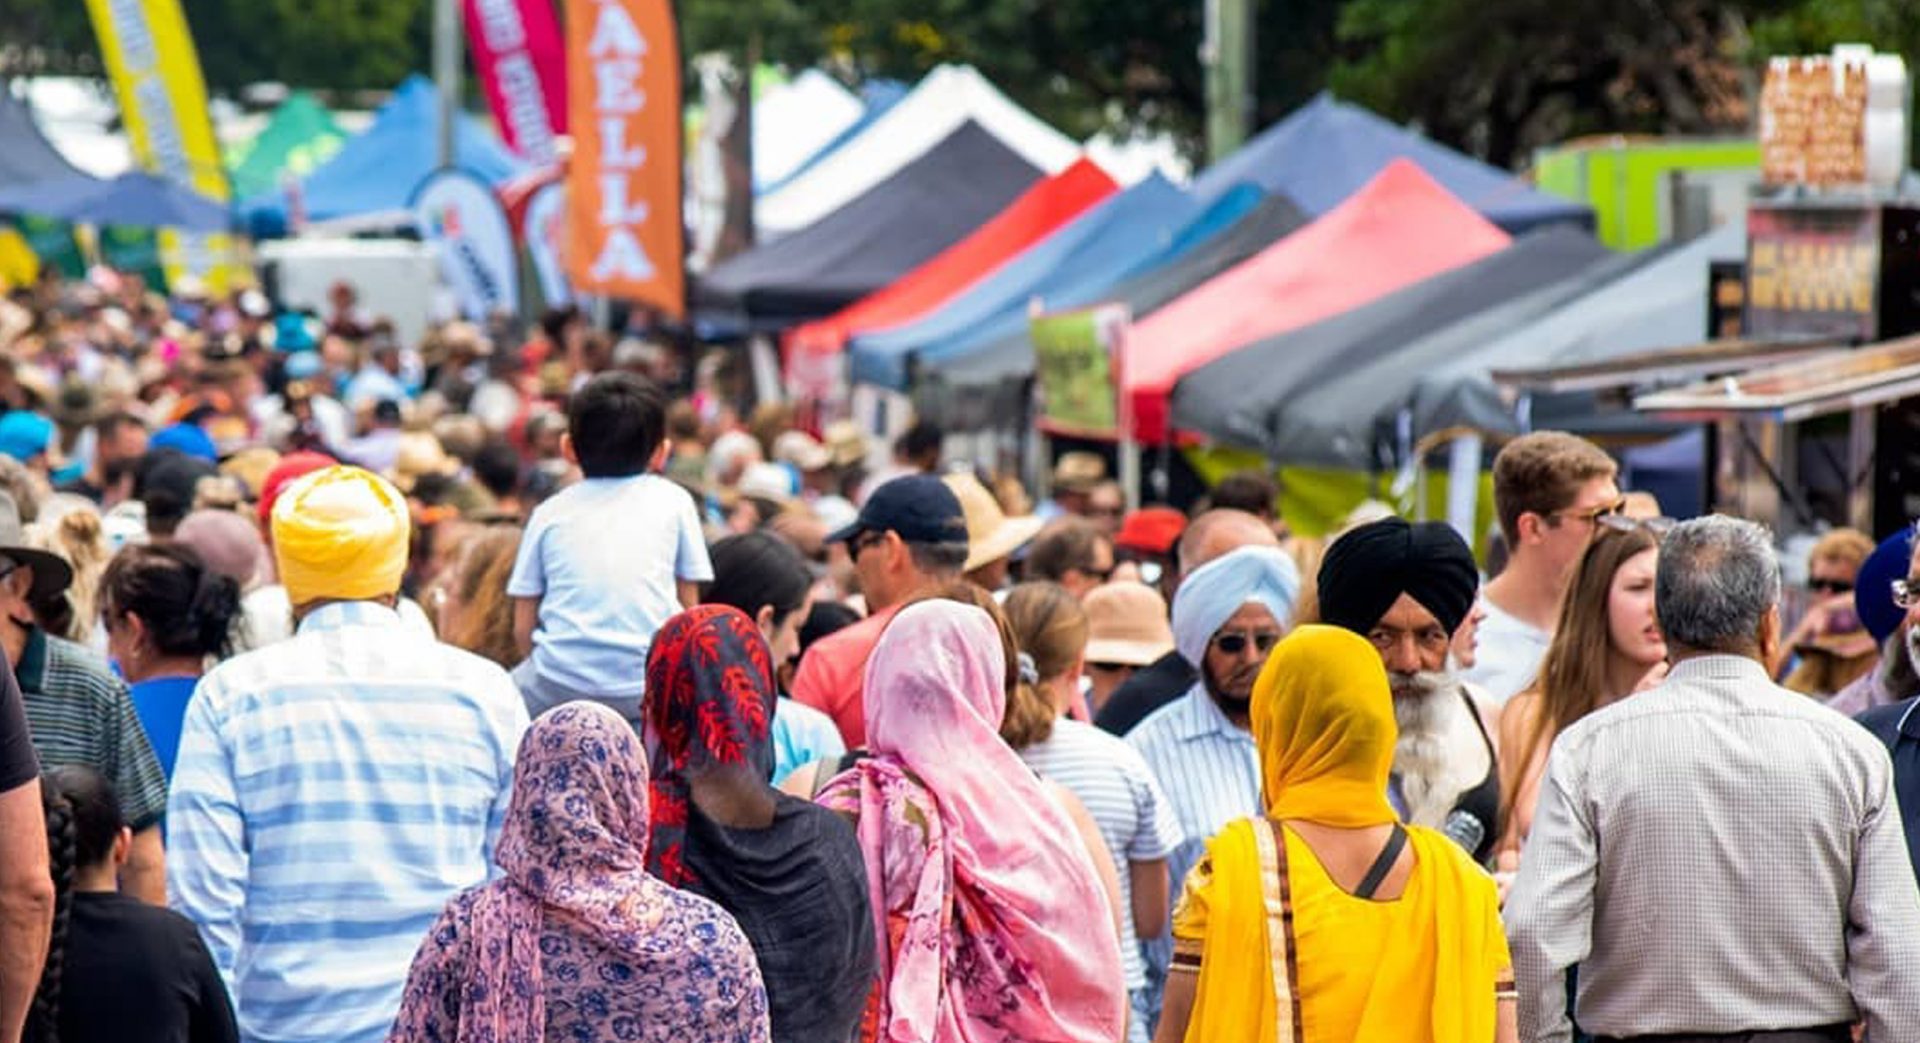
<point x="1038" y="958"/>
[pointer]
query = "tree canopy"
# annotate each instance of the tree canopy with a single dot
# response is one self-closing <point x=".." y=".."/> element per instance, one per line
<point x="1497" y="78"/>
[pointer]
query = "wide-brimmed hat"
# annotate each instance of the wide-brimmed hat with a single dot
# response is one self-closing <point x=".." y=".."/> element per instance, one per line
<point x="802" y="451"/>
<point x="421" y="454"/>
<point x="51" y="573"/>
<point x="846" y="442"/>
<point x="991" y="535"/>
<point x="1127" y="624"/>
<point x="1079" y="472"/>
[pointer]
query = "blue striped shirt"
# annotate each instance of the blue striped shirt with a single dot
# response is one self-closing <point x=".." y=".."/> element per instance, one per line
<point x="1210" y="770"/>
<point x="332" y="792"/>
<point x="1122" y="798"/>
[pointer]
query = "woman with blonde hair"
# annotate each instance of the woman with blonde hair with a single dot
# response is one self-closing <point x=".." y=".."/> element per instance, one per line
<point x="1276" y="923"/>
<point x="1106" y="775"/>
<point x="71" y="527"/>
<point x="1607" y="646"/>
<point x="1829" y="648"/>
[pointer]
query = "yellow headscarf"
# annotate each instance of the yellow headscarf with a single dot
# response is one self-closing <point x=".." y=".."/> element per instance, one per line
<point x="1323" y="719"/>
<point x="341" y="533"/>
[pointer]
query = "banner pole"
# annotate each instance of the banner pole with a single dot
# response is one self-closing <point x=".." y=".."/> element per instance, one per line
<point x="446" y="71"/>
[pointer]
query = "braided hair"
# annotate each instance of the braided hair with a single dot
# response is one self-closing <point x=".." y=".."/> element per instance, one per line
<point x="83" y="821"/>
<point x="44" y="1017"/>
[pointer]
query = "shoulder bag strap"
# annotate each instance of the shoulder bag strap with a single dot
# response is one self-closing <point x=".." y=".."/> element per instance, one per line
<point x="1284" y="948"/>
<point x="1377" y="873"/>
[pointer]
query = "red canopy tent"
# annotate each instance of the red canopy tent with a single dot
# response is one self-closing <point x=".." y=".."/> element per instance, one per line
<point x="1040" y="210"/>
<point x="1400" y="228"/>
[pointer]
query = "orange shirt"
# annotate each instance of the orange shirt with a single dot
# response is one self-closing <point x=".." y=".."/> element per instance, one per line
<point x="834" y="671"/>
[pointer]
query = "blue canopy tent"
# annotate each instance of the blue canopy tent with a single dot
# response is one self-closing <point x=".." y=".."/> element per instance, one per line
<point x="26" y="156"/>
<point x="1327" y="149"/>
<point x="1121" y="236"/>
<point x="379" y="169"/>
<point x="131" y="200"/>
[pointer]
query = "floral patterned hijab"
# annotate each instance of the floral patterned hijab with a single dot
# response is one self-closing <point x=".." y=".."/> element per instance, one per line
<point x="574" y="844"/>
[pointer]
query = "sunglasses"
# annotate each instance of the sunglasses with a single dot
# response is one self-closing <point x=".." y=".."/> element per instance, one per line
<point x="1655" y="527"/>
<point x="1099" y="575"/>
<point x="1830" y="586"/>
<point x="863" y="541"/>
<point x="1234" y="642"/>
<point x="1595" y="514"/>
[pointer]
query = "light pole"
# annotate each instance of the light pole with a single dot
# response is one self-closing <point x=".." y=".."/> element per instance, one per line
<point x="446" y="71"/>
<point x="1226" y="54"/>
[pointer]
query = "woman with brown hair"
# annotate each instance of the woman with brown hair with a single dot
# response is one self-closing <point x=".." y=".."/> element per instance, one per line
<point x="470" y="601"/>
<point x="1607" y="646"/>
<point x="1106" y="775"/>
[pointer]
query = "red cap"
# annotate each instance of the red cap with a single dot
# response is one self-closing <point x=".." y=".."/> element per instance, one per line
<point x="291" y="466"/>
<point x="1151" y="530"/>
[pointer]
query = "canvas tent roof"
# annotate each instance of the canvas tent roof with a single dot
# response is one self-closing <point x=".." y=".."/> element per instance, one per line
<point x="299" y="136"/>
<point x="1402" y="228"/>
<point x="1327" y="149"/>
<point x="379" y="169"/>
<point x="26" y="156"/>
<point x="796" y="119"/>
<point x="1036" y="213"/>
<point x="876" y="97"/>
<point x="1249" y="397"/>
<point x="873" y="240"/>
<point x="1662" y="303"/>
<point x="947" y="97"/>
<point x="989" y="384"/>
<point x="1103" y="245"/>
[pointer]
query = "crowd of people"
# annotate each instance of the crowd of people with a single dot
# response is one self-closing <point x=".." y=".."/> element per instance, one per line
<point x="516" y="685"/>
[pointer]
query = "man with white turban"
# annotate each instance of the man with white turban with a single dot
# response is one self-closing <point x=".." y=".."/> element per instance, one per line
<point x="334" y="790"/>
<point x="1227" y="615"/>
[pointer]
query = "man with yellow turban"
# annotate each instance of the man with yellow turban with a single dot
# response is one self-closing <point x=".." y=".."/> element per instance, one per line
<point x="334" y="790"/>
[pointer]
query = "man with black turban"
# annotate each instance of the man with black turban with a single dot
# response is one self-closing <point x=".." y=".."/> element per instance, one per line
<point x="1407" y="588"/>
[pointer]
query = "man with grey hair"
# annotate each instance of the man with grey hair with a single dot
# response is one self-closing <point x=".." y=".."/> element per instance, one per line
<point x="1213" y="534"/>
<point x="1720" y="856"/>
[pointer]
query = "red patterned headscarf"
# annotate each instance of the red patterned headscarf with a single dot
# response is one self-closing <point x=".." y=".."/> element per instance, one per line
<point x="710" y="700"/>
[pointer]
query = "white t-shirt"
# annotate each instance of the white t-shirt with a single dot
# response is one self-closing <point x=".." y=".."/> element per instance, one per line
<point x="603" y="556"/>
<point x="1506" y="655"/>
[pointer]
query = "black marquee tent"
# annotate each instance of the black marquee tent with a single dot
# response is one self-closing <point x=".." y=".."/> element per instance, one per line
<point x="876" y="238"/>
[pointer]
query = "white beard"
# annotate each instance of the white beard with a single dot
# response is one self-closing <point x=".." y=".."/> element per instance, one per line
<point x="1441" y="753"/>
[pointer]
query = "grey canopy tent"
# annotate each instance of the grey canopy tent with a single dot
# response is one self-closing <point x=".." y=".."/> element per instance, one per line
<point x="1661" y="304"/>
<point x="988" y="386"/>
<point x="1252" y="396"/>
<point x="1363" y="416"/>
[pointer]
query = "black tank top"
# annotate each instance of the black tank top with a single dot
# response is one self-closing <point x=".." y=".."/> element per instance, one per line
<point x="1483" y="800"/>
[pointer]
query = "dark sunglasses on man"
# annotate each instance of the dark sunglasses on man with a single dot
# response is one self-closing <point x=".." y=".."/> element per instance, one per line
<point x="1234" y="642"/>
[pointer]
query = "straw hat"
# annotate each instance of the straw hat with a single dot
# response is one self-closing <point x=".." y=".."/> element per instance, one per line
<point x="846" y="442"/>
<point x="51" y="572"/>
<point x="1079" y="472"/>
<point x="421" y="454"/>
<point x="799" y="449"/>
<point x="991" y="535"/>
<point x="1127" y="624"/>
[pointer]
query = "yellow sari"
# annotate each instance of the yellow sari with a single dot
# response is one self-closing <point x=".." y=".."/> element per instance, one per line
<point x="1286" y="956"/>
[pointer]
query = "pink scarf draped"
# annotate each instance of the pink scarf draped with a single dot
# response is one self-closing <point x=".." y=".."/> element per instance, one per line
<point x="1009" y="934"/>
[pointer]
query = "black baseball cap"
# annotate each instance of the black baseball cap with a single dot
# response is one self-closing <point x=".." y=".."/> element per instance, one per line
<point x="919" y="507"/>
